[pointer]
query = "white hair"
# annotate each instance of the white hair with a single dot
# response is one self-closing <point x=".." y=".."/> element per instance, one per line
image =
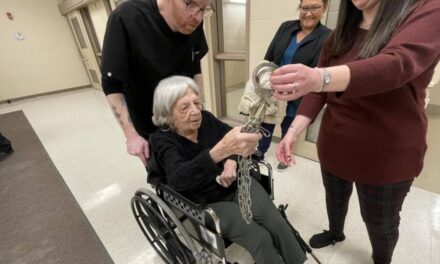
<point x="167" y="92"/>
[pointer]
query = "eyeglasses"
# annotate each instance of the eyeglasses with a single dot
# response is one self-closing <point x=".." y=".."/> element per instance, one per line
<point x="313" y="9"/>
<point x="193" y="8"/>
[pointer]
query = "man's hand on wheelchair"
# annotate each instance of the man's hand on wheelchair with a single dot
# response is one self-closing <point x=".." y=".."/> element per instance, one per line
<point x="229" y="173"/>
<point x="138" y="146"/>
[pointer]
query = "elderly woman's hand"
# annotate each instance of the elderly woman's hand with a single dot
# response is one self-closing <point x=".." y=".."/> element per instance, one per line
<point x="235" y="142"/>
<point x="229" y="174"/>
<point x="292" y="81"/>
<point x="241" y="143"/>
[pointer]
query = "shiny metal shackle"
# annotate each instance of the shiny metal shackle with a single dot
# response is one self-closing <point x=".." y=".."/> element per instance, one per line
<point x="259" y="71"/>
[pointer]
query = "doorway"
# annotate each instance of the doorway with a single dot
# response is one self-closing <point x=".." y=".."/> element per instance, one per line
<point x="85" y="47"/>
<point x="230" y="52"/>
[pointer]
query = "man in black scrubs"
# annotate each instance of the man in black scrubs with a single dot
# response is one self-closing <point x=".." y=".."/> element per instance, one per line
<point x="145" y="42"/>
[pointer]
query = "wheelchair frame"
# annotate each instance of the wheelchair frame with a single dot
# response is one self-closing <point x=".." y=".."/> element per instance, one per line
<point x="187" y="231"/>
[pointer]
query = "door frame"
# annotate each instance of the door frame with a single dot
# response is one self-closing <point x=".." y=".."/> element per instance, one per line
<point x="76" y="22"/>
<point x="219" y="57"/>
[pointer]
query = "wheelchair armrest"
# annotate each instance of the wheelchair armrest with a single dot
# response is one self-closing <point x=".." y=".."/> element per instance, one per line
<point x="194" y="201"/>
<point x="267" y="165"/>
<point x="266" y="178"/>
<point x="189" y="207"/>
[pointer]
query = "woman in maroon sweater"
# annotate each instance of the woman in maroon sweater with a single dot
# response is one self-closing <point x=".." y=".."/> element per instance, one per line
<point x="378" y="62"/>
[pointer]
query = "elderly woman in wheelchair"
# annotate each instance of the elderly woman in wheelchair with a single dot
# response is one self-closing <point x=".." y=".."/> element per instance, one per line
<point x="197" y="154"/>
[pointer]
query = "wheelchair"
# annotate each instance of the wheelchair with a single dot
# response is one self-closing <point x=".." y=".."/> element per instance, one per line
<point x="183" y="229"/>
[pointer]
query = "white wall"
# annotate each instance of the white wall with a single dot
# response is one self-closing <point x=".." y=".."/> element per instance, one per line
<point x="332" y="16"/>
<point x="46" y="60"/>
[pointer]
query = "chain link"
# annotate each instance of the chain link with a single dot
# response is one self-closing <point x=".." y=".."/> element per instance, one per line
<point x="244" y="188"/>
<point x="245" y="164"/>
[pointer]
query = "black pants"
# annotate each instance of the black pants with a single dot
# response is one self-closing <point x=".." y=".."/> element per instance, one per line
<point x="380" y="209"/>
<point x="5" y="144"/>
<point x="264" y="143"/>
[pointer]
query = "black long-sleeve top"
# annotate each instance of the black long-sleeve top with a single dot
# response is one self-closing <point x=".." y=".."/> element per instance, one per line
<point x="187" y="165"/>
<point x="308" y="50"/>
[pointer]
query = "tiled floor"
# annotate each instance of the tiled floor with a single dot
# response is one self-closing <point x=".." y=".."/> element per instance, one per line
<point x="87" y="146"/>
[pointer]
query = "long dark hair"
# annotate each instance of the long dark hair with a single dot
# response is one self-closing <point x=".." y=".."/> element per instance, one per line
<point x="390" y="14"/>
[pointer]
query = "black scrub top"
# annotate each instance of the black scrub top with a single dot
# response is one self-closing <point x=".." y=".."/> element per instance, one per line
<point x="139" y="50"/>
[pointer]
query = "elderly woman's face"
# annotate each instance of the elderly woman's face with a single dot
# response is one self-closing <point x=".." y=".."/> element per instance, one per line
<point x="311" y="12"/>
<point x="186" y="112"/>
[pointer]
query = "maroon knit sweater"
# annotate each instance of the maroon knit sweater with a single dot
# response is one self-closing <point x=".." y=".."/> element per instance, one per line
<point x="375" y="131"/>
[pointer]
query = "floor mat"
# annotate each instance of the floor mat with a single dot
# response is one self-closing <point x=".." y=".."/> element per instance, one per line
<point x="40" y="220"/>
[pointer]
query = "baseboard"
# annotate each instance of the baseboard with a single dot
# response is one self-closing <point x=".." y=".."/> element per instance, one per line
<point x="42" y="94"/>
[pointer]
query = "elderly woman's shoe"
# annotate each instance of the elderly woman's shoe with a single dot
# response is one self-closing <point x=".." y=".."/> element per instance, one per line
<point x="325" y="238"/>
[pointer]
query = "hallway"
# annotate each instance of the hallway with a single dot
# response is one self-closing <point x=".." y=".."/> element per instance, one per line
<point x="84" y="141"/>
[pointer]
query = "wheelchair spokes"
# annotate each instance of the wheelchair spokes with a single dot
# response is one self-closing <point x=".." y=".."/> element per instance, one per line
<point x="159" y="227"/>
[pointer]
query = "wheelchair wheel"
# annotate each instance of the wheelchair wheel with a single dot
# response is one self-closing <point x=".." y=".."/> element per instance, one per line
<point x="163" y="230"/>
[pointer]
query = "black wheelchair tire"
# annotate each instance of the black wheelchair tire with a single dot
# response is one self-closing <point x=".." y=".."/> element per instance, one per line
<point x="159" y="223"/>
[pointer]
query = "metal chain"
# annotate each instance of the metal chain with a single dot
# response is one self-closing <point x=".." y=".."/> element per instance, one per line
<point x="260" y="79"/>
<point x="244" y="188"/>
<point x="245" y="164"/>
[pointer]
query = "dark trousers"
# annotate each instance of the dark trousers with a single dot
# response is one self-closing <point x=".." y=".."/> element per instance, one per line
<point x="380" y="209"/>
<point x="264" y="143"/>
<point x="5" y="144"/>
<point x="267" y="238"/>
